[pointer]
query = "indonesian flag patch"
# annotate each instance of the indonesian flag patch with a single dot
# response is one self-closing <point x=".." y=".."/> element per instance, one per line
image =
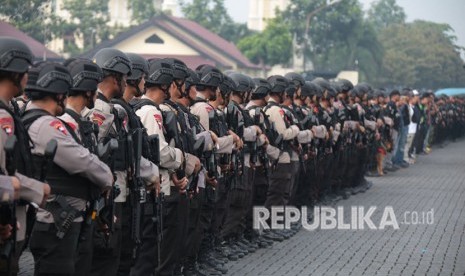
<point x="58" y="125"/>
<point x="7" y="125"/>
<point x="98" y="118"/>
<point x="208" y="108"/>
<point x="159" y="120"/>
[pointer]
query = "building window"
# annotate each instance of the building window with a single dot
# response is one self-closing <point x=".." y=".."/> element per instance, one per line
<point x="154" y="39"/>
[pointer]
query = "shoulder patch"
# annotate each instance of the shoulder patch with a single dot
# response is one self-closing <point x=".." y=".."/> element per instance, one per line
<point x="7" y="125"/>
<point x="208" y="108"/>
<point x="159" y="120"/>
<point x="281" y="111"/>
<point x="98" y="118"/>
<point x="58" y="125"/>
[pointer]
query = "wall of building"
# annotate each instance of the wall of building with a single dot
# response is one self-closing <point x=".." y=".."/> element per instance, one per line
<point x="170" y="46"/>
<point x="261" y="10"/>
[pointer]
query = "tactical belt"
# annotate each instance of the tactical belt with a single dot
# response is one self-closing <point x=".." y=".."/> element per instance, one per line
<point x="63" y="215"/>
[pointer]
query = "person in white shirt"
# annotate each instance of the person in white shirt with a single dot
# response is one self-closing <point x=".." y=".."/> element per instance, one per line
<point x="412" y="127"/>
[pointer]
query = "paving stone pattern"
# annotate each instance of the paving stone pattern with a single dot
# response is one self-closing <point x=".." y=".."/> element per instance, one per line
<point x="436" y="181"/>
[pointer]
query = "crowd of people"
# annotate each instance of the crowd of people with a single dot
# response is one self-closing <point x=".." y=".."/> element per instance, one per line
<point x="125" y="166"/>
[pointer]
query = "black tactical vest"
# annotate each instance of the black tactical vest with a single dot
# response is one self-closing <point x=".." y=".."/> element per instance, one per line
<point x="23" y="146"/>
<point x="61" y="182"/>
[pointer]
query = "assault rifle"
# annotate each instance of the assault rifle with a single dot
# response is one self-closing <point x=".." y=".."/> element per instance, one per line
<point x="8" y="209"/>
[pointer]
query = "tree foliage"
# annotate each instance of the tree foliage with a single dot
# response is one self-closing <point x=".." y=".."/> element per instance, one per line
<point x="27" y="15"/>
<point x="88" y="19"/>
<point x="212" y="14"/>
<point x="270" y="47"/>
<point x="385" y="13"/>
<point x="142" y="10"/>
<point x="421" y="54"/>
<point x="339" y="36"/>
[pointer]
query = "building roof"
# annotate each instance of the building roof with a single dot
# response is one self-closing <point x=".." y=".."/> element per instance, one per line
<point x="212" y="48"/>
<point x="37" y="48"/>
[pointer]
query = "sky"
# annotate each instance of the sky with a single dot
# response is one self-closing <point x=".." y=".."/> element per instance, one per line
<point x="440" y="11"/>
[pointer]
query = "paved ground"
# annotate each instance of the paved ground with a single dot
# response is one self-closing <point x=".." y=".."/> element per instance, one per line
<point x="436" y="182"/>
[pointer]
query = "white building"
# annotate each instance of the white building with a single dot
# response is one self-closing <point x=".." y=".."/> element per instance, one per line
<point x="261" y="10"/>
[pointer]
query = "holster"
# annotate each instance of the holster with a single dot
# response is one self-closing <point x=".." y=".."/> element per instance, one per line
<point x="63" y="215"/>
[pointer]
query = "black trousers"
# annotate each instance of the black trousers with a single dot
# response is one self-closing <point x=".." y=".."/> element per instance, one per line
<point x="259" y="186"/>
<point x="206" y="216"/>
<point x="221" y="207"/>
<point x="194" y="229"/>
<point x="305" y="187"/>
<point x="174" y="225"/>
<point x="52" y="255"/>
<point x="183" y="228"/>
<point x="85" y="251"/>
<point x="280" y="179"/>
<point x="127" y="244"/>
<point x="105" y="260"/>
<point x="238" y="204"/>
<point x="146" y="260"/>
<point x="295" y="178"/>
<point x="14" y="262"/>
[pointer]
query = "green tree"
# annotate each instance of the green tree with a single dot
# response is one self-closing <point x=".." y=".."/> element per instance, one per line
<point x="421" y="54"/>
<point x="89" y="21"/>
<point x="142" y="10"/>
<point x="385" y="13"/>
<point x="29" y="16"/>
<point x="270" y="47"/>
<point x="212" y="14"/>
<point x="338" y="36"/>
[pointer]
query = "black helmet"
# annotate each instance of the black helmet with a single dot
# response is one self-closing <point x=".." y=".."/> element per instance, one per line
<point x="309" y="89"/>
<point x="360" y="90"/>
<point x="337" y="87"/>
<point x="379" y="93"/>
<point x="192" y="79"/>
<point x="179" y="68"/>
<point x="227" y="86"/>
<point x="160" y="73"/>
<point x="345" y="85"/>
<point x="278" y="84"/>
<point x="15" y="56"/>
<point x="365" y="87"/>
<point x="334" y="89"/>
<point x="370" y="96"/>
<point x="316" y="89"/>
<point x="324" y="84"/>
<point x="48" y="77"/>
<point x="295" y="78"/>
<point x="355" y="92"/>
<point x="290" y="89"/>
<point x="139" y="67"/>
<point x="209" y="76"/>
<point x="262" y="88"/>
<point x="85" y="74"/>
<point x="113" y="61"/>
<point x="327" y="90"/>
<point x="241" y="81"/>
<point x="251" y="84"/>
